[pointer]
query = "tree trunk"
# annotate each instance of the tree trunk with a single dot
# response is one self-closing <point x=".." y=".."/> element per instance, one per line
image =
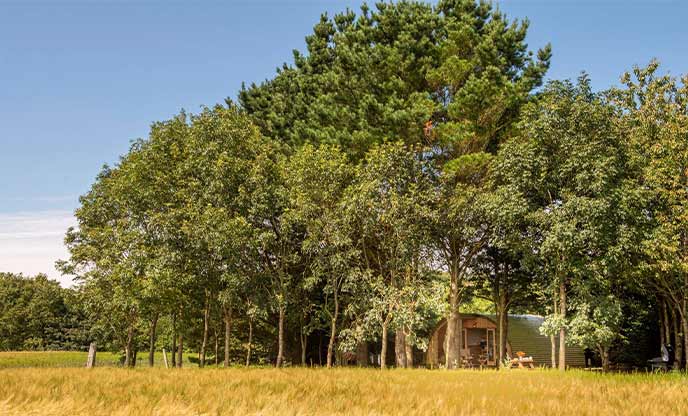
<point x="227" y="313"/>
<point x="333" y="331"/>
<point x="151" y="341"/>
<point x="685" y="333"/>
<point x="304" y="345"/>
<point x="667" y="323"/>
<point x="400" y="348"/>
<point x="604" y="354"/>
<point x="502" y="324"/>
<point x="678" y="348"/>
<point x="662" y="334"/>
<point x="362" y="354"/>
<point x="453" y="350"/>
<point x="280" y="337"/>
<point x="383" y="352"/>
<point x="180" y="351"/>
<point x="409" y="351"/>
<point x="206" y="327"/>
<point x="552" y="339"/>
<point x="250" y="340"/>
<point x="174" y="340"/>
<point x="217" y="346"/>
<point x="128" y="348"/>
<point x="562" y="331"/>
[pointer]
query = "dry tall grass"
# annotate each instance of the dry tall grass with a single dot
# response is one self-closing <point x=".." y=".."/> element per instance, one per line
<point x="114" y="391"/>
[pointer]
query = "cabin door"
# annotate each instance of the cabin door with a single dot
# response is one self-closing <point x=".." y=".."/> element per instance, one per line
<point x="491" y="356"/>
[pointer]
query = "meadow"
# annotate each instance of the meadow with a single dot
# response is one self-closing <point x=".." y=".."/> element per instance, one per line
<point x="21" y="359"/>
<point x="351" y="391"/>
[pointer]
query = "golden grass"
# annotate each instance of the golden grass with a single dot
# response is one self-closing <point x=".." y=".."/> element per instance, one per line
<point x="294" y="391"/>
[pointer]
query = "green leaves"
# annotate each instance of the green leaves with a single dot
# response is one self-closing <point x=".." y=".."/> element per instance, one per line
<point x="381" y="75"/>
<point x="597" y="324"/>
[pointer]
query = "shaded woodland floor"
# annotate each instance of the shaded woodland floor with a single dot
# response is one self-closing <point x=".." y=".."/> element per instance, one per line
<point x="303" y="391"/>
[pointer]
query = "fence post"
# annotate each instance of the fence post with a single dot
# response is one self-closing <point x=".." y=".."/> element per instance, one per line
<point x="91" y="360"/>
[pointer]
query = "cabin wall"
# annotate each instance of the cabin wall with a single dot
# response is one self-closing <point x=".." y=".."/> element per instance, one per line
<point x="523" y="335"/>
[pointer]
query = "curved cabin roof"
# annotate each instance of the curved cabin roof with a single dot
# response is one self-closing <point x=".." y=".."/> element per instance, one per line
<point x="523" y="335"/>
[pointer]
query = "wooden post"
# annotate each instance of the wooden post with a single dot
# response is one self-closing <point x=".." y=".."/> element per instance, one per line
<point x="164" y="358"/>
<point x="91" y="360"/>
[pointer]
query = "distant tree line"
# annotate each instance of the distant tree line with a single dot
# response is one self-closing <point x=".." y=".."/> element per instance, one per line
<point x="37" y="314"/>
<point x="409" y="163"/>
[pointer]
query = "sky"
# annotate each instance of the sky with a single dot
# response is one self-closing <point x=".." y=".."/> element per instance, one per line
<point x="80" y="80"/>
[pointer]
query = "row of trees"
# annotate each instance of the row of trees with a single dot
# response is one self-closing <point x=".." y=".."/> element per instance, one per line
<point x="37" y="314"/>
<point x="404" y="165"/>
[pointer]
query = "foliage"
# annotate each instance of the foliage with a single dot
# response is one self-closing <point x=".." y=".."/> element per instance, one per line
<point x="37" y="314"/>
<point x="382" y="74"/>
<point x="596" y="325"/>
<point x="402" y="168"/>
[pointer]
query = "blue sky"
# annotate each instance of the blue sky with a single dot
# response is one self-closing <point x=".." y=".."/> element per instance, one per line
<point x="79" y="80"/>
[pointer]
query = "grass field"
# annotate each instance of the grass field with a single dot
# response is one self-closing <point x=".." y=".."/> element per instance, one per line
<point x="294" y="391"/>
<point x="17" y="359"/>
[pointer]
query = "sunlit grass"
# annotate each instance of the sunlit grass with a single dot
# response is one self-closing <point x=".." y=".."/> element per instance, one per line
<point x="14" y="359"/>
<point x="117" y="391"/>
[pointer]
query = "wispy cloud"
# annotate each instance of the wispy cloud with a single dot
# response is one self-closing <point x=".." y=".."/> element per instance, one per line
<point x="31" y="242"/>
<point x="46" y="198"/>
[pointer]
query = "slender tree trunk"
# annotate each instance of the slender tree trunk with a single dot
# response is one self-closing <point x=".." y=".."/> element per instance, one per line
<point x="174" y="340"/>
<point x="333" y="331"/>
<point x="180" y="351"/>
<point x="304" y="345"/>
<point x="133" y="361"/>
<point x="151" y="341"/>
<point x="250" y="340"/>
<point x="227" y="314"/>
<point x="453" y="350"/>
<point x="662" y="334"/>
<point x="280" y="337"/>
<point x="667" y="323"/>
<point x="174" y="351"/>
<point x="562" y="331"/>
<point x="506" y="333"/>
<point x="678" y="348"/>
<point x="552" y="339"/>
<point x="206" y="327"/>
<point x="685" y="333"/>
<point x="217" y="346"/>
<point x="502" y="322"/>
<point x="400" y="348"/>
<point x="383" y="352"/>
<point x="128" y="348"/>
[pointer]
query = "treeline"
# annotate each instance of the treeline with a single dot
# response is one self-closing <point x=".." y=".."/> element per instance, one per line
<point x="409" y="162"/>
<point x="37" y="314"/>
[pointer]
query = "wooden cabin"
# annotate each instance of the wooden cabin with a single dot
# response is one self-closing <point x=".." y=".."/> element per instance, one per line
<point x="480" y="337"/>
